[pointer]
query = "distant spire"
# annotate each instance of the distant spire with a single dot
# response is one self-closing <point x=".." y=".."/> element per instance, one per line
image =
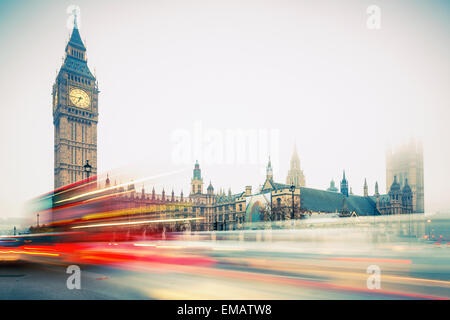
<point x="366" y="189"/>
<point x="269" y="171"/>
<point x="344" y="185"/>
<point x="107" y="184"/>
<point x="376" y="189"/>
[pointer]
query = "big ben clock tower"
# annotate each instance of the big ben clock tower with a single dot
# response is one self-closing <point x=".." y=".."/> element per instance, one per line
<point x="75" y="115"/>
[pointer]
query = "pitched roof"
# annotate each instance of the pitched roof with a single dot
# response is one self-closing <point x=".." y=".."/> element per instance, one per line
<point x="383" y="197"/>
<point x="269" y="184"/>
<point x="75" y="40"/>
<point x="327" y="201"/>
<point x="226" y="198"/>
<point x="77" y="66"/>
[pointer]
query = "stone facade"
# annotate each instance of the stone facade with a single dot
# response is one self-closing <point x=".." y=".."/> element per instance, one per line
<point x="398" y="201"/>
<point x="75" y="115"/>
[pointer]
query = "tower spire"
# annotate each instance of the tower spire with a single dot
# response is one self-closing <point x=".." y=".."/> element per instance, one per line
<point x="295" y="174"/>
<point x="269" y="171"/>
<point x="75" y="18"/>
<point x="344" y="185"/>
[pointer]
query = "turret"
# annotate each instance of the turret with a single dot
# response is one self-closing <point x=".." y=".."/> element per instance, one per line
<point x="332" y="187"/>
<point x="407" y="198"/>
<point x="197" y="181"/>
<point x="210" y="189"/>
<point x="210" y="193"/>
<point x="366" y="189"/>
<point x="395" y="197"/>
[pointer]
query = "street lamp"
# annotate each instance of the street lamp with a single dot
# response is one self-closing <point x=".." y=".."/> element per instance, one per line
<point x="87" y="168"/>
<point x="292" y="188"/>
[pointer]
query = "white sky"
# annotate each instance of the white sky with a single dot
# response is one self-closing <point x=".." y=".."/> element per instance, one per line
<point x="310" y="71"/>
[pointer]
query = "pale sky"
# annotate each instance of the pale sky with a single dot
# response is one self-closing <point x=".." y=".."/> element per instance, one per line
<point x="309" y="72"/>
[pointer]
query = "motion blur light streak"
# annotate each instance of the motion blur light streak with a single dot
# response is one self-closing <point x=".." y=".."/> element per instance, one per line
<point x="135" y="222"/>
<point x="375" y="260"/>
<point x="161" y="175"/>
<point x="32" y="253"/>
<point x="134" y="243"/>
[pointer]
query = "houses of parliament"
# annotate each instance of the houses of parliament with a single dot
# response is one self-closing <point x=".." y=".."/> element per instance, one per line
<point x="75" y="118"/>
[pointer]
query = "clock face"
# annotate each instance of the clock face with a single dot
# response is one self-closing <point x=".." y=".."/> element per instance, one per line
<point x="79" y="98"/>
